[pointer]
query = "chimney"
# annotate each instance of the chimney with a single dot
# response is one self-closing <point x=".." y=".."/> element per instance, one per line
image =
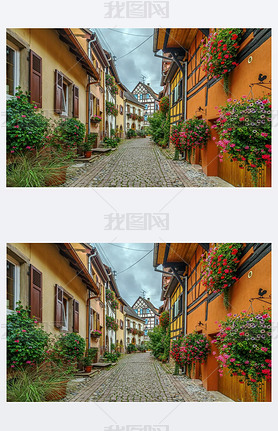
<point x="148" y="83"/>
<point x="148" y="299"/>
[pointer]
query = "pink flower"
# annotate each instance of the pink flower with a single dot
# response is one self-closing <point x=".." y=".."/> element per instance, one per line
<point x="23" y="116"/>
<point x="264" y="134"/>
<point x="232" y="360"/>
<point x="23" y="330"/>
<point x="242" y="333"/>
<point x="264" y="349"/>
<point x="16" y="341"/>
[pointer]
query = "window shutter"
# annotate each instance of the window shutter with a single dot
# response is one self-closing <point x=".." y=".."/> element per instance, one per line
<point x="35" y="79"/>
<point x="98" y="322"/>
<point x="92" y="319"/>
<point x="180" y="304"/>
<point x="180" y="90"/>
<point x="58" y="95"/>
<point x="75" y="316"/>
<point x="97" y="106"/>
<point x="36" y="293"/>
<point x="58" y="321"/>
<point x="75" y="90"/>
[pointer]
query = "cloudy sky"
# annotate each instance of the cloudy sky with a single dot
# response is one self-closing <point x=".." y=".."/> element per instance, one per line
<point x="140" y="277"/>
<point x="120" y="41"/>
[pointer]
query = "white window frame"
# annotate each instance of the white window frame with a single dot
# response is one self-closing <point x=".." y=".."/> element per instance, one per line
<point x="16" y="283"/>
<point x="66" y="316"/>
<point x="16" y="68"/>
<point x="66" y="101"/>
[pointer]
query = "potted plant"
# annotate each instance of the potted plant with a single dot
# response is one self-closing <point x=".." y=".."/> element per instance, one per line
<point x="96" y="333"/>
<point x="87" y="361"/>
<point x="87" y="148"/>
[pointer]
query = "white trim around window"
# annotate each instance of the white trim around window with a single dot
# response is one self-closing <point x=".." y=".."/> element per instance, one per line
<point x="16" y="283"/>
<point x="16" y="70"/>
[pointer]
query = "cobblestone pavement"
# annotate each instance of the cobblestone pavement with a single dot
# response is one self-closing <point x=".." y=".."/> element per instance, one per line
<point x="138" y="377"/>
<point x="137" y="163"/>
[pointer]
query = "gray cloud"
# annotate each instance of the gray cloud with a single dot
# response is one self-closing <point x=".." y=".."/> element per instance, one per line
<point x="141" y="61"/>
<point x="140" y="277"/>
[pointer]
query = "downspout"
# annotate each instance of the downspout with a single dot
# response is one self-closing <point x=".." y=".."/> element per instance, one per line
<point x="89" y="83"/>
<point x="89" y="299"/>
<point x="185" y="91"/>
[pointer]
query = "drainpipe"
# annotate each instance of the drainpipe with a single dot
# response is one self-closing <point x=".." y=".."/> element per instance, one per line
<point x="89" y="83"/>
<point x="185" y="91"/>
<point x="89" y="299"/>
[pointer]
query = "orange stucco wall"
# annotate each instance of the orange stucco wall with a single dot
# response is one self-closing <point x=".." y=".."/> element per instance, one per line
<point x="259" y="61"/>
<point x="241" y="292"/>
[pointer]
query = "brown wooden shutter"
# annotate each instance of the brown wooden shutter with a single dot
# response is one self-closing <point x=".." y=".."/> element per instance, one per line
<point x="75" y="90"/>
<point x="75" y="316"/>
<point x="97" y="107"/>
<point x="36" y="293"/>
<point x="58" y="92"/>
<point x="35" y="79"/>
<point x="98" y="322"/>
<point x="58" y="321"/>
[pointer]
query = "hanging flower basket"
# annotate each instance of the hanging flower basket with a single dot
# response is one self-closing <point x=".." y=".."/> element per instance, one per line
<point x="244" y="128"/>
<point x="219" y="268"/>
<point x="219" y="53"/>
<point x="96" y="333"/>
<point x="244" y="343"/>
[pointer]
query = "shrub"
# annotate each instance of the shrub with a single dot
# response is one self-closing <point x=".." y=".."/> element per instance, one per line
<point x="244" y="342"/>
<point x="111" y="357"/>
<point x="193" y="133"/>
<point x="131" y="348"/>
<point x="68" y="134"/>
<point x="191" y="349"/>
<point x="156" y="126"/>
<point x="68" y="348"/>
<point x="141" y="133"/>
<point x="131" y="133"/>
<point x="219" y="268"/>
<point x="111" y="142"/>
<point x="159" y="341"/>
<point x="26" y="128"/>
<point x="141" y="348"/>
<point x="26" y="342"/>
<point x="244" y="128"/>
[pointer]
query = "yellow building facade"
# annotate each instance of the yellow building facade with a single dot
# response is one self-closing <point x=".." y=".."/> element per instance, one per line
<point x="53" y="65"/>
<point x="53" y="281"/>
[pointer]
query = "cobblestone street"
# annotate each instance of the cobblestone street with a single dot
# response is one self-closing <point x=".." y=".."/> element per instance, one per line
<point x="137" y="163"/>
<point x="139" y="377"/>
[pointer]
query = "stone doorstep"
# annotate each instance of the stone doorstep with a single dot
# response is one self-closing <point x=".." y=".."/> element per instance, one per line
<point x="83" y="374"/>
<point x="102" y="364"/>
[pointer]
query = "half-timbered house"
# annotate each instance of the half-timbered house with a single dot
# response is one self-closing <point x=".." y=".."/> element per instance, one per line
<point x="147" y="311"/>
<point x="134" y="326"/>
<point x="194" y="94"/>
<point x="193" y="308"/>
<point x="145" y="95"/>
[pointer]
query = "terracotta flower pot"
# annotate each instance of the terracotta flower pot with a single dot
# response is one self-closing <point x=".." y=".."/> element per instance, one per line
<point x="88" y="368"/>
<point x="87" y="154"/>
<point x="57" y="393"/>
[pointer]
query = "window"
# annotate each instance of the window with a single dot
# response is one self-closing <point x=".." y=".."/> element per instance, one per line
<point x="146" y="321"/>
<point x="121" y="324"/>
<point x="177" y="307"/>
<point x="128" y="109"/>
<point x="12" y="69"/>
<point x="141" y="96"/>
<point x="136" y="311"/>
<point x="146" y="332"/>
<point x="65" y="315"/>
<point x="146" y="106"/>
<point x="136" y="95"/>
<point x="145" y="117"/>
<point x="139" y="112"/>
<point x="148" y="310"/>
<point x="13" y="284"/>
<point x="147" y="96"/>
<point x="128" y="125"/>
<point x="127" y="323"/>
<point x="65" y="99"/>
